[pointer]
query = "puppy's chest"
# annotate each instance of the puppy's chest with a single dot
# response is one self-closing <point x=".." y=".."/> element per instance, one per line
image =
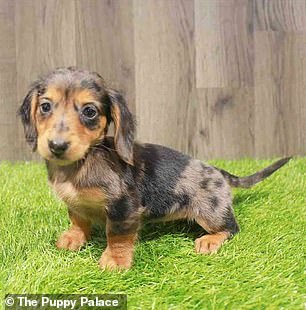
<point x="79" y="197"/>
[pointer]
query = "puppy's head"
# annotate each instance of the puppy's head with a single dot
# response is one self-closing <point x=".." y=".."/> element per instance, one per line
<point x="68" y="112"/>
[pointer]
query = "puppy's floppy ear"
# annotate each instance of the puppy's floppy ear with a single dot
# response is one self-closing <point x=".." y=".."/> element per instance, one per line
<point x="26" y="112"/>
<point x="124" y="126"/>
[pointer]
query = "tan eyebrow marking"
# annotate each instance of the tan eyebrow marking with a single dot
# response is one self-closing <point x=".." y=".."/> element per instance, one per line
<point x="85" y="96"/>
<point x="54" y="94"/>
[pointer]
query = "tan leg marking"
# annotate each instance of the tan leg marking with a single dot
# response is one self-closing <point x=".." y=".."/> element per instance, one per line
<point x="210" y="243"/>
<point x="78" y="234"/>
<point x="118" y="253"/>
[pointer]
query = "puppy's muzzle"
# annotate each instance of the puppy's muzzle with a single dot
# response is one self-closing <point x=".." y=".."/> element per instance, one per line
<point x="58" y="147"/>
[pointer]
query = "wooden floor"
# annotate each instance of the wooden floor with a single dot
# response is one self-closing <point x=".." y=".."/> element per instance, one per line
<point x="212" y="78"/>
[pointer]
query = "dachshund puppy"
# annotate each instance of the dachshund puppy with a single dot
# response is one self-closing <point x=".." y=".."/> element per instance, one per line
<point x="115" y="181"/>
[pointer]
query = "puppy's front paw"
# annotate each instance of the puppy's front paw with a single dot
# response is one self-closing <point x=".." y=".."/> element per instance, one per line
<point x="210" y="243"/>
<point x="111" y="261"/>
<point x="71" y="240"/>
<point x="205" y="246"/>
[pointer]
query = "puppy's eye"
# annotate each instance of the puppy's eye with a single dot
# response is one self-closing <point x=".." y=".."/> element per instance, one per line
<point x="45" y="107"/>
<point x="89" y="111"/>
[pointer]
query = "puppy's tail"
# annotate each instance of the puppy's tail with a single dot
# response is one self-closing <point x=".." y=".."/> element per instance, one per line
<point x="246" y="182"/>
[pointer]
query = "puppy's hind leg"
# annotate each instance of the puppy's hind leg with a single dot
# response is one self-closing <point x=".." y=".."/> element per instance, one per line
<point x="217" y="218"/>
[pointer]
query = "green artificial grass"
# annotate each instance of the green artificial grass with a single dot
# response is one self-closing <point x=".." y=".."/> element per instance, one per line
<point x="263" y="267"/>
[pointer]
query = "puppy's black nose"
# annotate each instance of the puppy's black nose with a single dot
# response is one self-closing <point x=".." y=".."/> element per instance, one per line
<point x="58" y="147"/>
